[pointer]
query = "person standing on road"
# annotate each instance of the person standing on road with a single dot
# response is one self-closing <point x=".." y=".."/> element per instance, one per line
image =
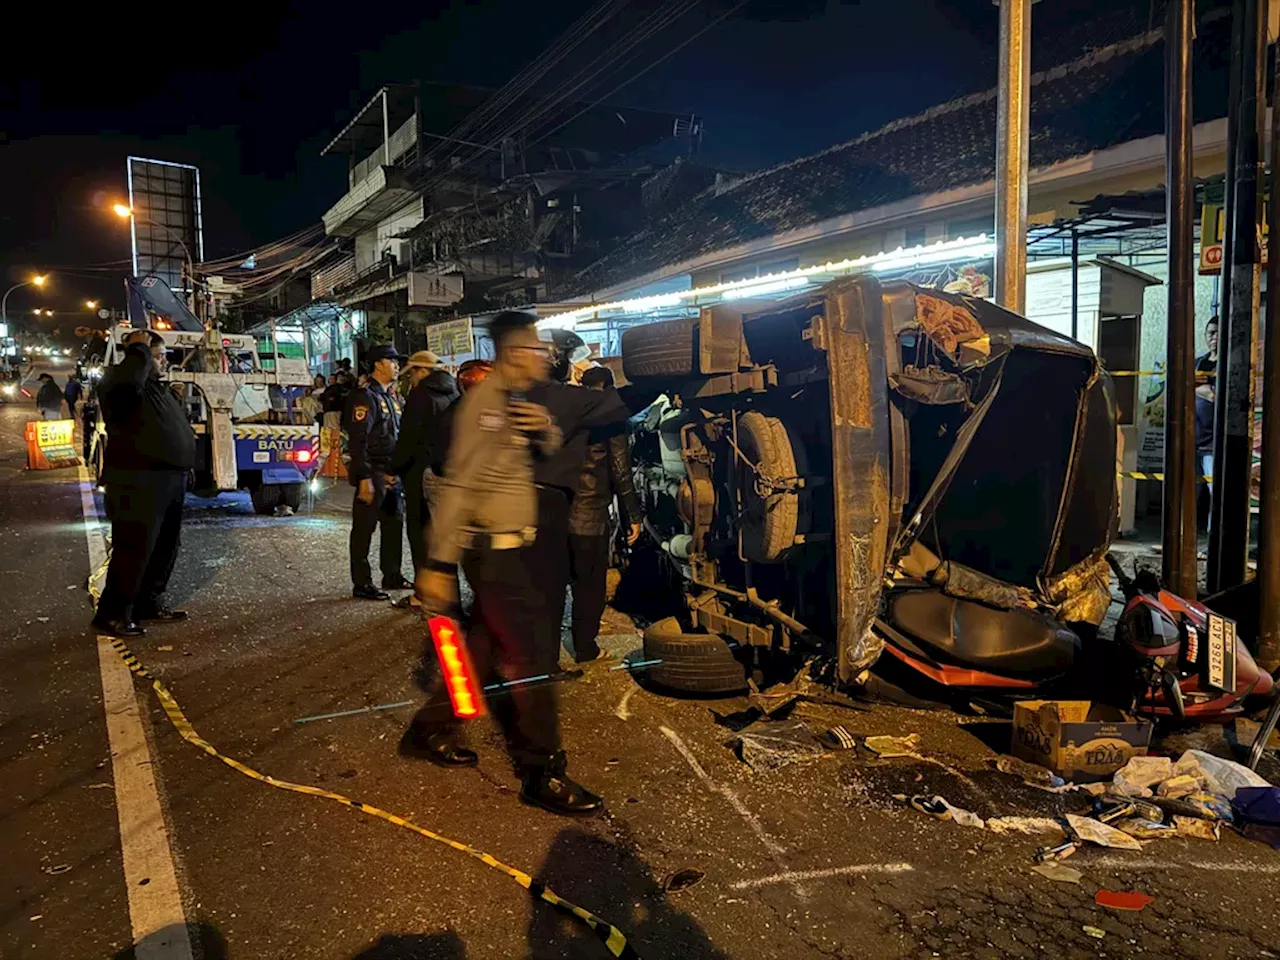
<point x="486" y="519"/>
<point x="49" y="398"/>
<point x="73" y="393"/>
<point x="150" y="449"/>
<point x="1206" y="370"/>
<point x="606" y="473"/>
<point x="373" y="423"/>
<point x="432" y="390"/>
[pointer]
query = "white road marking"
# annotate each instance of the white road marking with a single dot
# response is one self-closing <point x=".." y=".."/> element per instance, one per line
<point x="155" y="904"/>
<point x="776" y="850"/>
<point x="794" y="876"/>
<point x="622" y="711"/>
<point x="1238" y="866"/>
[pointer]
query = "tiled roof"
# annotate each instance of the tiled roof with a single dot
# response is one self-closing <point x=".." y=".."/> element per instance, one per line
<point x="1109" y="96"/>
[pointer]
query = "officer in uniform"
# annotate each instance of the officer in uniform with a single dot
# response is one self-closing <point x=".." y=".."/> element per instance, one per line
<point x="373" y="423"/>
<point x="486" y="518"/>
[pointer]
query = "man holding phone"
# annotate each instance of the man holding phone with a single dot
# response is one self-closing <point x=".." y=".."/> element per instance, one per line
<point x="373" y="424"/>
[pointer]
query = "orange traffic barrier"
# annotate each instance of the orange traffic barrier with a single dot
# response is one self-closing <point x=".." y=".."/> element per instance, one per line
<point x="51" y="444"/>
<point x="331" y="464"/>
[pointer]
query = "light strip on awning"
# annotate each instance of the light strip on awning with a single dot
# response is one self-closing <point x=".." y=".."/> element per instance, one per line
<point x="902" y="258"/>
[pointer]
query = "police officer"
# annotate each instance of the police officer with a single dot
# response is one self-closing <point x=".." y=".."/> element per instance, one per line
<point x="150" y="448"/>
<point x="373" y="423"/>
<point x="485" y="518"/>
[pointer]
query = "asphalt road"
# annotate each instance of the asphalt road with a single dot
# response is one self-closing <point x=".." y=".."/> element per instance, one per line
<point x="813" y="859"/>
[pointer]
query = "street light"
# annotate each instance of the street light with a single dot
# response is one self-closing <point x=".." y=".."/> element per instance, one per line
<point x="37" y="281"/>
<point x="91" y="304"/>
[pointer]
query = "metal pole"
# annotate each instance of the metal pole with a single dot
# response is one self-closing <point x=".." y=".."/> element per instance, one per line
<point x="1075" y="284"/>
<point x="1179" y="527"/>
<point x="1269" y="520"/>
<point x="1233" y="401"/>
<point x="1013" y="116"/>
<point x="386" y="131"/>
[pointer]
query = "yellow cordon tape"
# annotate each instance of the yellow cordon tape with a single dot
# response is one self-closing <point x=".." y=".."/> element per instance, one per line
<point x="613" y="938"/>
<point x="1157" y="476"/>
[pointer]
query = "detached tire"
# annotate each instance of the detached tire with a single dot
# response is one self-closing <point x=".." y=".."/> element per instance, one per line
<point x="265" y="497"/>
<point x="692" y="662"/>
<point x="661" y="349"/>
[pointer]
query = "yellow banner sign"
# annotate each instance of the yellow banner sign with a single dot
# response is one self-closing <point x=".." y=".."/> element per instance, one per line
<point x="1213" y="225"/>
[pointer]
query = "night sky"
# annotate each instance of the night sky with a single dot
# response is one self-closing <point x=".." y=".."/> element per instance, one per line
<point x="256" y="90"/>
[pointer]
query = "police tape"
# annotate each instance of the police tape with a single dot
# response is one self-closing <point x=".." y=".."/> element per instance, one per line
<point x="613" y="939"/>
<point x="1134" y="475"/>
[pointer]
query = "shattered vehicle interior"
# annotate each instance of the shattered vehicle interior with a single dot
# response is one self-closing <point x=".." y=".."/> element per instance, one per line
<point x="870" y="472"/>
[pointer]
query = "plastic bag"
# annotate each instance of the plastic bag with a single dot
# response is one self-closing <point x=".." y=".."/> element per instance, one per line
<point x="767" y="745"/>
<point x="1225" y="776"/>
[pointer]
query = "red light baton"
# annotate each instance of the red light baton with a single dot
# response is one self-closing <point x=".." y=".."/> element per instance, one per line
<point x="455" y="662"/>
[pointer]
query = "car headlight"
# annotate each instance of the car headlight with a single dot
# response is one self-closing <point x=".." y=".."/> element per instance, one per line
<point x="9" y="390"/>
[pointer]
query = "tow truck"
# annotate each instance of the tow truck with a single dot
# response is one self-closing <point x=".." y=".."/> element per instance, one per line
<point x="250" y="435"/>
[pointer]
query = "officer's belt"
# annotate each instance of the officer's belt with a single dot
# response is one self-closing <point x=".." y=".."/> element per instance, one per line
<point x="484" y="540"/>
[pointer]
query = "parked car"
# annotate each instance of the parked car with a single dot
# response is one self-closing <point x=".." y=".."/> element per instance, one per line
<point x="866" y="463"/>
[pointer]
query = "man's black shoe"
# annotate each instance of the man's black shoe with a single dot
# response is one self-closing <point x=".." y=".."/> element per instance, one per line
<point x="118" y="628"/>
<point x="370" y="592"/>
<point x="550" y="788"/>
<point x="164" y="615"/>
<point x="396" y="583"/>
<point x="443" y="753"/>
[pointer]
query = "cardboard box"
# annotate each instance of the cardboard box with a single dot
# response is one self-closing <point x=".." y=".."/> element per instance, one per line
<point x="1077" y="739"/>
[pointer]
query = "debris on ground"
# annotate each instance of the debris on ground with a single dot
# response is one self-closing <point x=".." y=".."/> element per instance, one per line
<point x="1137" y="777"/>
<point x="1095" y="932"/>
<point x="57" y="869"/>
<point x="939" y="808"/>
<point x="1224" y="777"/>
<point x="682" y="880"/>
<point x="1122" y="899"/>
<point x="1058" y="871"/>
<point x="1094" y="831"/>
<point x="1195" y="827"/>
<point x="838" y="738"/>
<point x="1142" y="829"/>
<point x="1257" y="810"/>
<point x="1206" y="806"/>
<point x="1179" y="786"/>
<point x="1034" y="774"/>
<point x="886" y="748"/>
<point x="1078" y="740"/>
<point x="803" y="686"/>
<point x="1031" y="826"/>
<point x="768" y="745"/>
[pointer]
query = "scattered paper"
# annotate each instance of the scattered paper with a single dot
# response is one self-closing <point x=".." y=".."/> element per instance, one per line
<point x="889" y="747"/>
<point x="1086" y="828"/>
<point x="1031" y="826"/>
<point x="1058" y="871"/>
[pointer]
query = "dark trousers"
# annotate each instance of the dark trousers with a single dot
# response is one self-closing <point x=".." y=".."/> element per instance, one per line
<point x="505" y="644"/>
<point x="386" y="513"/>
<point x="549" y="558"/>
<point x="589" y="562"/>
<point x="416" y="518"/>
<point x="145" y="509"/>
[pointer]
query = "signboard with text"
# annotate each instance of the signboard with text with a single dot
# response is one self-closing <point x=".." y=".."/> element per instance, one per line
<point x="1213" y="223"/>
<point x="451" y="338"/>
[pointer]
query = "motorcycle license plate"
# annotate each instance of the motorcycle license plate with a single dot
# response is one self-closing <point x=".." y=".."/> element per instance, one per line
<point x="1221" y="661"/>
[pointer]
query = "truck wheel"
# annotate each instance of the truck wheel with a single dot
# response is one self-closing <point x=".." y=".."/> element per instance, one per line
<point x="770" y="519"/>
<point x="662" y="349"/>
<point x="265" y="497"/>
<point x="691" y="662"/>
<point x="291" y="495"/>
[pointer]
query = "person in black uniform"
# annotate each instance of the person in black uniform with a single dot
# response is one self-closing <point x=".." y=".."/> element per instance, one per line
<point x="150" y="449"/>
<point x="421" y="443"/>
<point x="606" y="473"/>
<point x="581" y="415"/>
<point x="373" y="423"/>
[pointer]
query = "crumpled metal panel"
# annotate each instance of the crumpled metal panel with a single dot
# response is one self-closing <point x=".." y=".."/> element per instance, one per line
<point x="1083" y="592"/>
<point x="858" y="368"/>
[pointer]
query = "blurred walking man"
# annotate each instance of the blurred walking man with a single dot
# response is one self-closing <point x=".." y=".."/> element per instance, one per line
<point x="486" y="518"/>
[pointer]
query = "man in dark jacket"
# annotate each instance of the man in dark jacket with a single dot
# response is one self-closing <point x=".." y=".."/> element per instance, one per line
<point x="606" y="473"/>
<point x="150" y="449"/>
<point x="421" y="442"/>
<point x="373" y="424"/>
<point x="49" y="399"/>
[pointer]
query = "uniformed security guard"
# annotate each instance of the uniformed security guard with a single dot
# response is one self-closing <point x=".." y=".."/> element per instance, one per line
<point x="373" y="423"/>
<point x="486" y="518"/>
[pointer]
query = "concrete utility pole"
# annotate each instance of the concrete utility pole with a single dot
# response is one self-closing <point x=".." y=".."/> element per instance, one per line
<point x="1233" y="402"/>
<point x="1013" y="118"/>
<point x="1179" y="529"/>
<point x="1269" y="520"/>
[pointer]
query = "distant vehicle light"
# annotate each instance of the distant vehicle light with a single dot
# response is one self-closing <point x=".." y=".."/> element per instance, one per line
<point x="10" y="390"/>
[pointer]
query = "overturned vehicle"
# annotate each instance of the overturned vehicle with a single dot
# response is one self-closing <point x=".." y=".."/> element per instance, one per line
<point x="883" y="476"/>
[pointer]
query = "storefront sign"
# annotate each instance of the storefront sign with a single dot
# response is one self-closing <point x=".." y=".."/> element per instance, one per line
<point x="434" y="290"/>
<point x="451" y="338"/>
<point x="1213" y="223"/>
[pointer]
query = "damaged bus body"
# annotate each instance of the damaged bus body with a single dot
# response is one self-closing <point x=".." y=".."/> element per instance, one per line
<point x="871" y="467"/>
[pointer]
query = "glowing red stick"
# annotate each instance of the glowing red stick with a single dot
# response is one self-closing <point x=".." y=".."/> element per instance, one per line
<point x="455" y="662"/>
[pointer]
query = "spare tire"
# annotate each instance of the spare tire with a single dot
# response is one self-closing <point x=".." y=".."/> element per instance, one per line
<point x="692" y="662"/>
<point x="771" y="519"/>
<point x="661" y="349"/>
